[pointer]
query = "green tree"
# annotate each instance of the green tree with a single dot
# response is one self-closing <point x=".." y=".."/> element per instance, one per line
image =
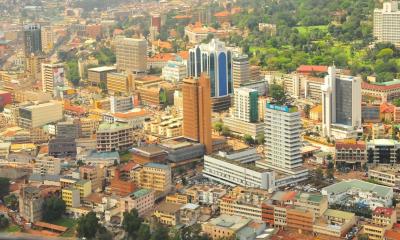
<point x="248" y="139"/>
<point x="88" y="225"/>
<point x="143" y="232"/>
<point x="226" y="131"/>
<point x="4" y="187"/>
<point x="4" y="222"/>
<point x="330" y="170"/>
<point x="318" y="176"/>
<point x="11" y="201"/>
<point x="218" y="126"/>
<point x="73" y="71"/>
<point x="159" y="233"/>
<point x="278" y="94"/>
<point x="131" y="223"/>
<point x="53" y="208"/>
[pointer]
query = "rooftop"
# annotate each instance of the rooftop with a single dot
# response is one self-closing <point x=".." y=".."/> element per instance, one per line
<point x="344" y="186"/>
<point x="140" y="193"/>
<point x="247" y="166"/>
<point x="169" y="208"/>
<point x="234" y="223"/>
<point x="157" y="165"/>
<point x="387" y="212"/>
<point x="112" y="126"/>
<point x="102" y="69"/>
<point x="339" y="214"/>
<point x="317" y="198"/>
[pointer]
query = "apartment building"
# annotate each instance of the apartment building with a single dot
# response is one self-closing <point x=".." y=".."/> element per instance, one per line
<point x="95" y="174"/>
<point x="350" y="152"/>
<point x="168" y="213"/>
<point x="71" y="197"/>
<point x="114" y="137"/>
<point x="388" y="175"/>
<point x="387" y="23"/>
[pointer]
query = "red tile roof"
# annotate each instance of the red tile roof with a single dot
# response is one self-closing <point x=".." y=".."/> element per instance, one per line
<point x="387" y="108"/>
<point x="369" y="86"/>
<point x="350" y="145"/>
<point x="387" y="212"/>
<point x="312" y="68"/>
<point x="392" y="235"/>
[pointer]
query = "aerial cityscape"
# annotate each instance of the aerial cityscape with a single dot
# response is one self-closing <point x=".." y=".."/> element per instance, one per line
<point x="200" y="119"/>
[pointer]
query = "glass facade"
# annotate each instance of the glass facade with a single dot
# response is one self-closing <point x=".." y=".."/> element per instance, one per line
<point x="343" y="102"/>
<point x="222" y="75"/>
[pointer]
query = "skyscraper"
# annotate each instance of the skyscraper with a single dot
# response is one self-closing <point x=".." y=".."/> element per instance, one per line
<point x="32" y="39"/>
<point x="246" y="104"/>
<point x="240" y="70"/>
<point x="197" y="110"/>
<point x="341" y="103"/>
<point x="387" y="23"/>
<point x="215" y="60"/>
<point x="131" y="55"/>
<point x="47" y="38"/>
<point x="283" y="144"/>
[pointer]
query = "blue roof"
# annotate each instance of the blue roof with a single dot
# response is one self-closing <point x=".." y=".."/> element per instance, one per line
<point x="95" y="154"/>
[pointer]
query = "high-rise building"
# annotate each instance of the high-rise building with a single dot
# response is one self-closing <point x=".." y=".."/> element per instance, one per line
<point x="52" y="77"/>
<point x="387" y="23"/>
<point x="33" y="66"/>
<point x="240" y="70"/>
<point x="114" y="137"/>
<point x="341" y="104"/>
<point x="197" y="110"/>
<point x="246" y="105"/>
<point x="32" y="39"/>
<point x="119" y="83"/>
<point x="215" y="60"/>
<point x="47" y="36"/>
<point x="131" y="55"/>
<point x="283" y="144"/>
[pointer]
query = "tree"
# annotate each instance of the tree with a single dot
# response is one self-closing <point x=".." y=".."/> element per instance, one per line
<point x="11" y="201"/>
<point x="53" y="208"/>
<point x="160" y="232"/>
<point x="4" y="222"/>
<point x="104" y="234"/>
<point x="226" y="131"/>
<point x="131" y="223"/>
<point x="319" y="175"/>
<point x="218" y="126"/>
<point x="4" y="187"/>
<point x="193" y="233"/>
<point x="306" y="110"/>
<point x="143" y="232"/>
<point x="278" y="94"/>
<point x="248" y="139"/>
<point x="79" y="163"/>
<point x="88" y="226"/>
<point x="330" y="170"/>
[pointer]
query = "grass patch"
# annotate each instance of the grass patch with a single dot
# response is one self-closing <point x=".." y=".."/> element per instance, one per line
<point x="13" y="228"/>
<point x="69" y="223"/>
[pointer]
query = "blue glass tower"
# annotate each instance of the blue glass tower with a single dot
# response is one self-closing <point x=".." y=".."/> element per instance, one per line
<point x="216" y="60"/>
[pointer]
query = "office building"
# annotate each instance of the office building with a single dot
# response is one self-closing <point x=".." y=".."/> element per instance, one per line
<point x="114" y="137"/>
<point x="383" y="151"/>
<point x="37" y="115"/>
<point x="95" y="174"/>
<point x="388" y="175"/>
<point x="71" y="197"/>
<point x="62" y="147"/>
<point x="283" y="144"/>
<point x="119" y="83"/>
<point x="30" y="204"/>
<point x="215" y="60"/>
<point x="356" y="191"/>
<point x="240" y="70"/>
<point x="98" y="75"/>
<point x="155" y="176"/>
<point x="121" y="104"/>
<point x="131" y="55"/>
<point x="68" y="129"/>
<point x="32" y="39"/>
<point x="33" y="66"/>
<point x="233" y="173"/>
<point x="386" y="27"/>
<point x="47" y="165"/>
<point x="341" y="104"/>
<point x="142" y="200"/>
<point x="174" y="71"/>
<point x="246" y="105"/>
<point x="53" y="77"/>
<point x="197" y="111"/>
<point x="47" y="37"/>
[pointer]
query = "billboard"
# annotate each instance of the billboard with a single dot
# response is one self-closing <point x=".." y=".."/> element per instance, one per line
<point x="58" y="77"/>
